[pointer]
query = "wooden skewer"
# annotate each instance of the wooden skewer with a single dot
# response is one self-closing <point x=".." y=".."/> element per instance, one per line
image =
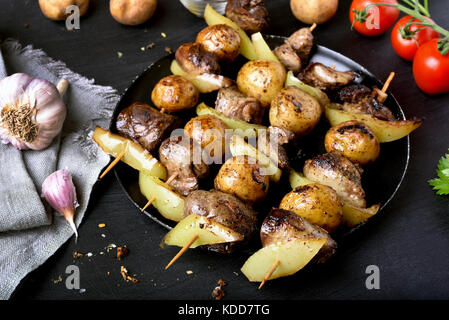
<point x="116" y="160"/>
<point x="270" y="272"/>
<point x="172" y="177"/>
<point x="184" y="249"/>
<point x="387" y="83"/>
<point x="333" y="67"/>
<point x="313" y="27"/>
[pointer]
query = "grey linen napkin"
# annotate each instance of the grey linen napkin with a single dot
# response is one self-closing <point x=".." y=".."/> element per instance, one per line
<point x="29" y="232"/>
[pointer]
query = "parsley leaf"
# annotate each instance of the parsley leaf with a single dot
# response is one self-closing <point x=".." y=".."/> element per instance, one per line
<point x="441" y="184"/>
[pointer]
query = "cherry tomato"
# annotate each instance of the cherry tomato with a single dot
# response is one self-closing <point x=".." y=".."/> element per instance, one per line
<point x="407" y="47"/>
<point x="431" y="68"/>
<point x="378" y="20"/>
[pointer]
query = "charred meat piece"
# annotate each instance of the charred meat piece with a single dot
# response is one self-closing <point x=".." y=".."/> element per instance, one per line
<point x="358" y="98"/>
<point x="183" y="157"/>
<point x="334" y="170"/>
<point x="283" y="225"/>
<point x="146" y="125"/>
<point x="271" y="144"/>
<point x="288" y="57"/>
<point x="325" y="78"/>
<point x="301" y="42"/>
<point x="234" y="104"/>
<point x="195" y="59"/>
<point x="280" y="135"/>
<point x="250" y="15"/>
<point x="223" y="208"/>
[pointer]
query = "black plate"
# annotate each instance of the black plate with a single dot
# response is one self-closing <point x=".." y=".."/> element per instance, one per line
<point x="380" y="180"/>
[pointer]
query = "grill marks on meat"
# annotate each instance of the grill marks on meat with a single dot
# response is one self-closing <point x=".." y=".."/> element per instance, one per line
<point x="183" y="157"/>
<point x="325" y="78"/>
<point x="334" y="170"/>
<point x="358" y="98"/>
<point x="283" y="225"/>
<point x="295" y="50"/>
<point x="146" y="125"/>
<point x="234" y="104"/>
<point x="250" y="15"/>
<point x="194" y="58"/>
<point x="223" y="208"/>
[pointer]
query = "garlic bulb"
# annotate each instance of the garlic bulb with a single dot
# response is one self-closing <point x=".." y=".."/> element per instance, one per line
<point x="32" y="111"/>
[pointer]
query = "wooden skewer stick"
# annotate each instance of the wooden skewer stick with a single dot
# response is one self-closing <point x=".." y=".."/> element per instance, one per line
<point x="184" y="249"/>
<point x="270" y="272"/>
<point x="148" y="204"/>
<point x="333" y="67"/>
<point x="172" y="177"/>
<point x="313" y="27"/>
<point x="387" y="83"/>
<point x="116" y="160"/>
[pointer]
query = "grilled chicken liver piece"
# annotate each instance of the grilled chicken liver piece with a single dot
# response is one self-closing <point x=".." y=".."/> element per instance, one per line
<point x="288" y="57"/>
<point x="182" y="156"/>
<point x="325" y="78"/>
<point x="283" y="225"/>
<point x="301" y="42"/>
<point x="334" y="170"/>
<point x="146" y="125"/>
<point x="250" y="15"/>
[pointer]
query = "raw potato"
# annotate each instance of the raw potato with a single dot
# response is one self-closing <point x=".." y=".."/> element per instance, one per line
<point x="132" y="12"/>
<point x="243" y="177"/>
<point x="206" y="82"/>
<point x="135" y="156"/>
<point x="169" y="203"/>
<point x="316" y="203"/>
<point x="314" y="11"/>
<point x="208" y="231"/>
<point x="386" y="131"/>
<point x="321" y="97"/>
<point x="353" y="216"/>
<point x="246" y="47"/>
<point x="56" y="9"/>
<point x="355" y="140"/>
<point x="239" y="147"/>
<point x="297" y="179"/>
<point x="175" y="93"/>
<point x="261" y="79"/>
<point x="209" y="132"/>
<point x="295" y="110"/>
<point x="292" y="255"/>
<point x="240" y="127"/>
<point x="263" y="51"/>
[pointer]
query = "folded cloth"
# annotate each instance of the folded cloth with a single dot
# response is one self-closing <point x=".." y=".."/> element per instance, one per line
<point x="30" y="234"/>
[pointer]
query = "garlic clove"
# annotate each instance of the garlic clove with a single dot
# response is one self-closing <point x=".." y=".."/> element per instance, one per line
<point x="59" y="191"/>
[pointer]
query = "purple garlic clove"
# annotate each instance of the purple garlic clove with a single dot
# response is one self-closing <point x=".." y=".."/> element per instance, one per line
<point x="60" y="193"/>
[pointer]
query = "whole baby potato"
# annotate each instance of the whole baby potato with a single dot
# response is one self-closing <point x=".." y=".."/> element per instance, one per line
<point x="56" y="9"/>
<point x="316" y="203"/>
<point x="174" y="93"/>
<point x="355" y="140"/>
<point x="132" y="12"/>
<point x="314" y="11"/>
<point x="221" y="40"/>
<point x="244" y="178"/>
<point x="209" y="132"/>
<point x="261" y="79"/>
<point x="295" y="110"/>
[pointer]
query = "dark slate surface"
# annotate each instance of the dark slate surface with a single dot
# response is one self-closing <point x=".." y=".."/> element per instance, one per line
<point x="410" y="244"/>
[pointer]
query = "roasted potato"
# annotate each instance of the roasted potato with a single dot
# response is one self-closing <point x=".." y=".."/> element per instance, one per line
<point x="355" y="140"/>
<point x="386" y="131"/>
<point x="56" y="9"/>
<point x="193" y="58"/>
<point x="319" y="95"/>
<point x="240" y="127"/>
<point x="244" y="178"/>
<point x="314" y="11"/>
<point x="135" y="156"/>
<point x="261" y="79"/>
<point x="209" y="132"/>
<point x="295" y="110"/>
<point x="206" y="82"/>
<point x="221" y="40"/>
<point x="212" y="17"/>
<point x="132" y="12"/>
<point x="169" y="203"/>
<point x="174" y="93"/>
<point x="316" y="203"/>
